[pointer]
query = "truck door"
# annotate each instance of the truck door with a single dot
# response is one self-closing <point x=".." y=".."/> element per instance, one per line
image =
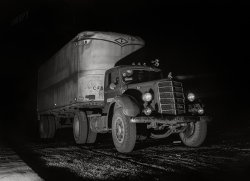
<point x="112" y="86"/>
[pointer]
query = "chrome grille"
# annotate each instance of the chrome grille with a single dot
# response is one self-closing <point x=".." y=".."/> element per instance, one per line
<point x="171" y="97"/>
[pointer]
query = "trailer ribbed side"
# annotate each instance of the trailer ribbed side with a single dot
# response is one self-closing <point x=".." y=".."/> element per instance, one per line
<point x="76" y="72"/>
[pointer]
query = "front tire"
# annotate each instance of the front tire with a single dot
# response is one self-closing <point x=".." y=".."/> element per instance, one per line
<point x="195" y="133"/>
<point x="123" y="132"/>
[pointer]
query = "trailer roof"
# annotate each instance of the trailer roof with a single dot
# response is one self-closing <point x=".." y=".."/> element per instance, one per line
<point x="118" y="38"/>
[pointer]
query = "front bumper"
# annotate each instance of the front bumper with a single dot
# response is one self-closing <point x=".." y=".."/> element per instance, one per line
<point x="169" y="120"/>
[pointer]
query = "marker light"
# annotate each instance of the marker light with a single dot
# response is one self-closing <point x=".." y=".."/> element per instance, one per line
<point x="191" y="97"/>
<point x="147" y="97"/>
<point x="147" y="111"/>
<point x="200" y="111"/>
<point x="130" y="71"/>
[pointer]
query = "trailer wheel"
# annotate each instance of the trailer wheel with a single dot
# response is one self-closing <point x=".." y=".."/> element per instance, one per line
<point x="80" y="127"/>
<point x="43" y="127"/>
<point x="195" y="133"/>
<point x="51" y="126"/>
<point x="123" y="132"/>
<point x="91" y="136"/>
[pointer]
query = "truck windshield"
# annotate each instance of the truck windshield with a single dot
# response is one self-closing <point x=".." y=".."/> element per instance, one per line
<point x="136" y="76"/>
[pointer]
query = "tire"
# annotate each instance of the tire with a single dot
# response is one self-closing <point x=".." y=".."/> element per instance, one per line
<point x="51" y="126"/>
<point x="43" y="127"/>
<point x="195" y="134"/>
<point x="91" y="136"/>
<point x="80" y="127"/>
<point x="123" y="132"/>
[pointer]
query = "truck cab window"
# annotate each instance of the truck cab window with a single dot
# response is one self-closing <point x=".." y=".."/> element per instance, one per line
<point x="112" y="77"/>
<point x="137" y="76"/>
<point x="109" y="79"/>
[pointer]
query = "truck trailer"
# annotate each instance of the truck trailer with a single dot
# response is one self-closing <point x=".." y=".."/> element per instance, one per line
<point x="81" y="87"/>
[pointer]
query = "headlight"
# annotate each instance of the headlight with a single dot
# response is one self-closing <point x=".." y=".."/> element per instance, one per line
<point x="147" y="111"/>
<point x="147" y="97"/>
<point x="191" y="97"/>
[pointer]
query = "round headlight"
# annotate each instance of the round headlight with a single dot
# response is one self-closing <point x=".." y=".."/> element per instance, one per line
<point x="147" y="97"/>
<point x="191" y="97"/>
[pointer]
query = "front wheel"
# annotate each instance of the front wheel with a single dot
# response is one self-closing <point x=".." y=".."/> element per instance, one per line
<point x="123" y="132"/>
<point x="194" y="134"/>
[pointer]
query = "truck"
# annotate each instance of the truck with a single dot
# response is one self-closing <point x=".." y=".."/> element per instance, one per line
<point x="82" y="87"/>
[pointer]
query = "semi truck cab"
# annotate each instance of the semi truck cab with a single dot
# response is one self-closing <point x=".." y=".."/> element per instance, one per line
<point x="141" y="95"/>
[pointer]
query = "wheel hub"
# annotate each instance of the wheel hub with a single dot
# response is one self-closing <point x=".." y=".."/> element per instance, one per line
<point x="119" y="131"/>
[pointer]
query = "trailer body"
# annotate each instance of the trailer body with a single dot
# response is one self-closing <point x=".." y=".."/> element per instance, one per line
<point x="75" y="74"/>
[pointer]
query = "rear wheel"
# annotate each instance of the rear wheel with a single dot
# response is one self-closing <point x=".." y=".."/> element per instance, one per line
<point x="80" y="127"/>
<point x="91" y="136"/>
<point x="123" y="132"/>
<point x="47" y="127"/>
<point x="195" y="133"/>
<point x="43" y="127"/>
<point x="51" y="126"/>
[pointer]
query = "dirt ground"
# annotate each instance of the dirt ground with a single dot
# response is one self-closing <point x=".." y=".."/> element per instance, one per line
<point x="224" y="155"/>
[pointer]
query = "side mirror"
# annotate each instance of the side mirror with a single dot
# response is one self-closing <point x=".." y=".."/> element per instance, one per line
<point x="112" y="86"/>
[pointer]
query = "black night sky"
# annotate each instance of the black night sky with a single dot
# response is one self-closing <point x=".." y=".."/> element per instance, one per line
<point x="207" y="43"/>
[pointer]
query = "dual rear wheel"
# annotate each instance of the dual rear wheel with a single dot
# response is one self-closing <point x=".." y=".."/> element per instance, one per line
<point x="123" y="132"/>
<point x="47" y="127"/>
<point x="81" y="129"/>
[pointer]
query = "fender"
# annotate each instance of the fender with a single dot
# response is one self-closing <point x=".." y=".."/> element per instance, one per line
<point x="128" y="104"/>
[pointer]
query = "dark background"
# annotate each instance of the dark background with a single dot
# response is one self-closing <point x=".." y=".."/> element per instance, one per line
<point x="206" y="44"/>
